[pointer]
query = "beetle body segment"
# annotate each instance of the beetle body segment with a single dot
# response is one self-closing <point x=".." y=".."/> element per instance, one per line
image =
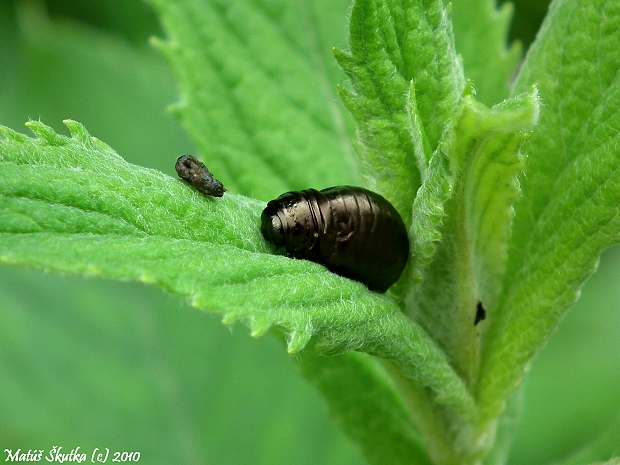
<point x="352" y="231"/>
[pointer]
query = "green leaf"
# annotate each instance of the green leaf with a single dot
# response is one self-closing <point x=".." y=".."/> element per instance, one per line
<point x="90" y="361"/>
<point x="258" y="92"/>
<point x="574" y="380"/>
<point x="39" y="79"/>
<point x="381" y="425"/>
<point x="148" y="373"/>
<point x="600" y="449"/>
<point x="481" y="34"/>
<point x="73" y="205"/>
<point x="463" y="215"/>
<point x="571" y="200"/>
<point x="507" y="426"/>
<point x="394" y="42"/>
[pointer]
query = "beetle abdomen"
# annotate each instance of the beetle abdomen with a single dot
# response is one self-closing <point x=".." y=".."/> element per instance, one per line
<point x="352" y="231"/>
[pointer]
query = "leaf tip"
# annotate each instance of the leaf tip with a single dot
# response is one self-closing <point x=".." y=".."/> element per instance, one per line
<point x="11" y="135"/>
<point x="345" y="60"/>
<point x="46" y="133"/>
<point x="260" y="325"/>
<point x="469" y="90"/>
<point x="229" y="318"/>
<point x="339" y="53"/>
<point x="298" y="339"/>
<point x="176" y="108"/>
<point x="78" y="132"/>
<point x="166" y="47"/>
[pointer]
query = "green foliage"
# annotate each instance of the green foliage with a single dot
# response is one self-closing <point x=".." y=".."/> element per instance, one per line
<point x="598" y="448"/>
<point x="391" y="45"/>
<point x="258" y="96"/>
<point x="488" y="62"/>
<point x="478" y="165"/>
<point x="381" y="424"/>
<point x="567" y="215"/>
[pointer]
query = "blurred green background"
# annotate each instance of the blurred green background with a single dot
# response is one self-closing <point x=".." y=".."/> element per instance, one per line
<point x="102" y="364"/>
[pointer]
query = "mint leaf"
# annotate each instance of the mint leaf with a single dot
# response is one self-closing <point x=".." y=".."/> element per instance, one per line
<point x="507" y="426"/>
<point x="570" y="206"/>
<point x="463" y="215"/>
<point x="73" y="205"/>
<point x="599" y="450"/>
<point x="39" y="79"/>
<point x="258" y="92"/>
<point x="481" y="34"/>
<point x="391" y="44"/>
<point x="380" y="425"/>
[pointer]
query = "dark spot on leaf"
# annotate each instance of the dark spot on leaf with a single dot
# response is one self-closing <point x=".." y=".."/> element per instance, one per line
<point x="481" y="314"/>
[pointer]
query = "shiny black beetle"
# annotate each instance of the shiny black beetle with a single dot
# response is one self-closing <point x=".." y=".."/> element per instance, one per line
<point x="352" y="231"/>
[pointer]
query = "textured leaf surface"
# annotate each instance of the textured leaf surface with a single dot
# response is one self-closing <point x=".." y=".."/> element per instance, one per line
<point x="73" y="205"/>
<point x="481" y="34"/>
<point x="574" y="380"/>
<point x="89" y="361"/>
<point x="463" y="215"/>
<point x="258" y="91"/>
<point x="79" y="208"/>
<point x="393" y="42"/>
<point x="571" y="196"/>
<point x="381" y="425"/>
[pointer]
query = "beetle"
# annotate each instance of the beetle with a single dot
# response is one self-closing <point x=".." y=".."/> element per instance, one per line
<point x="352" y="231"/>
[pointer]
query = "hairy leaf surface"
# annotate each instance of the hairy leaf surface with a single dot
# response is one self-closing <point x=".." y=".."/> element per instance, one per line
<point x="570" y="209"/>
